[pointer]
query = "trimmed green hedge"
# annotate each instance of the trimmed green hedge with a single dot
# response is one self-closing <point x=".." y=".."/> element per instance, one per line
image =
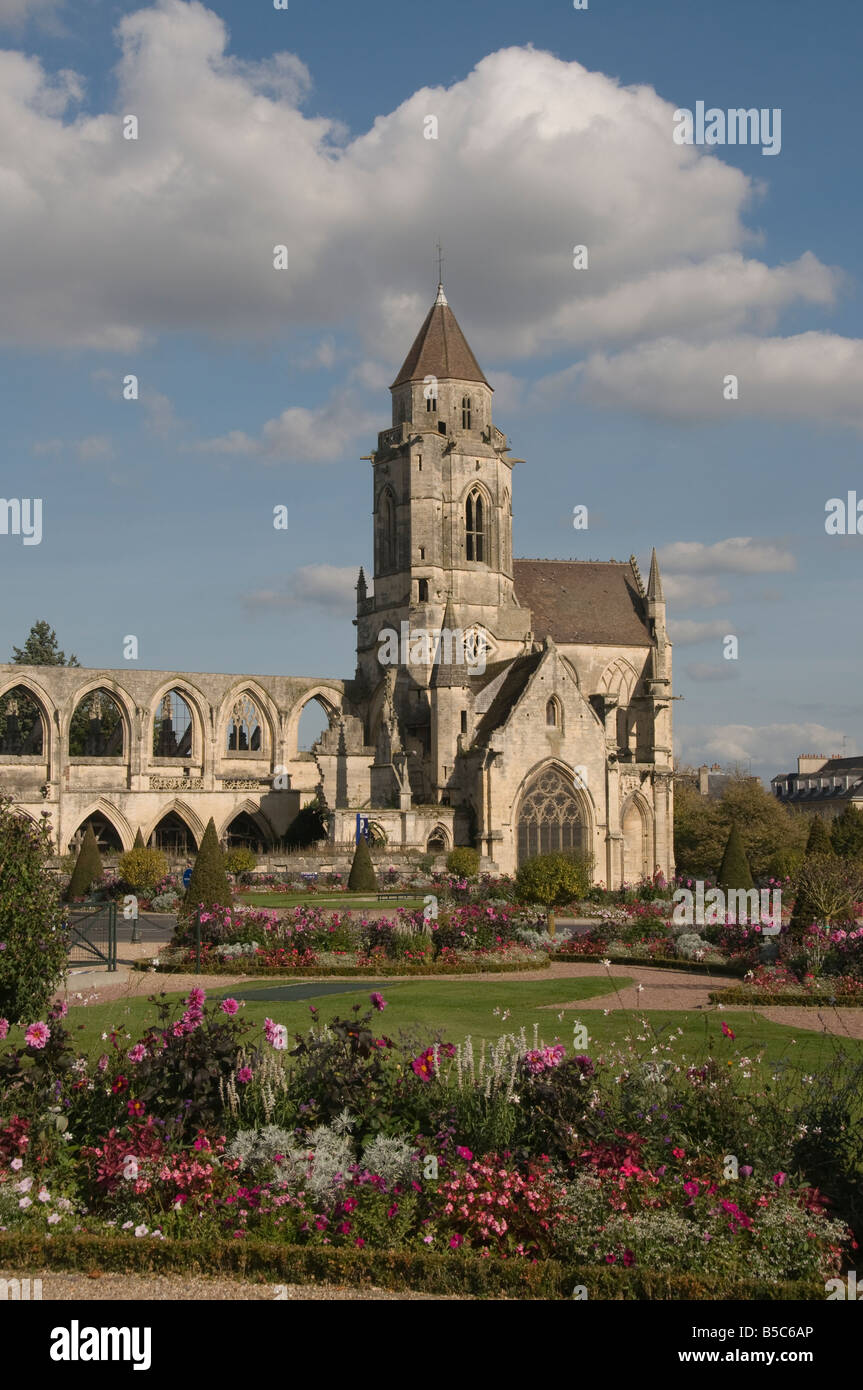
<point x="760" y="997"/>
<point x="694" y="967"/>
<point x="241" y="967"/>
<point x="420" y="1271"/>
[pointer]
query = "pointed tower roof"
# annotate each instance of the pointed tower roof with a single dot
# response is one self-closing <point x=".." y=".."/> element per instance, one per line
<point x="654" y="583"/>
<point x="448" y="674"/>
<point x="440" y="349"/>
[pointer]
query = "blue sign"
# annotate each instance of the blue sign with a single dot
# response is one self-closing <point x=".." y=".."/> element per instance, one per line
<point x="187" y="877"/>
<point x="362" y="827"/>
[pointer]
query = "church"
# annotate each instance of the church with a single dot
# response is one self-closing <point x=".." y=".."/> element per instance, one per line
<point x="528" y="711"/>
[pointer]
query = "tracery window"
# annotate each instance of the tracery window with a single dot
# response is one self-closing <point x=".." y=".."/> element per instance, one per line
<point x="21" y="728"/>
<point x="245" y="727"/>
<point x="550" y="817"/>
<point x="172" y="727"/>
<point x="96" y="730"/>
<point x="474" y="526"/>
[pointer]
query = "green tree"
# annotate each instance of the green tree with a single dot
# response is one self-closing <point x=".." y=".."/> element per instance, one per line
<point x="33" y="961"/>
<point x="88" y="867"/>
<point x="240" y="861"/>
<point x="827" y="889"/>
<point x="846" y="833"/>
<point x="362" y="878"/>
<point x="209" y="882"/>
<point x="463" y="861"/>
<point x="734" y="871"/>
<point x="819" y="838"/>
<point x="552" y="880"/>
<point x="139" y="840"/>
<point x="308" y="827"/>
<point x="142" y="869"/>
<point x="768" y="829"/>
<point x="40" y="649"/>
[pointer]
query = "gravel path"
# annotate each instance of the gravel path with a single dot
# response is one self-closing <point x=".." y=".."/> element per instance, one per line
<point x="164" y="1288"/>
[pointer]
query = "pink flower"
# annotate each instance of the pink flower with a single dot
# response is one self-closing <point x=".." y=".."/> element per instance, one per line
<point x="229" y="1006"/>
<point x="102" y="1062"/>
<point x="37" y="1035"/>
<point x="4" y="1027"/>
<point x="455" y="1242"/>
<point x="727" y="1032"/>
<point x="244" y="1075"/>
<point x="137" y="1053"/>
<point x="779" y="1179"/>
<point x="196" y="997"/>
<point x="378" y="1001"/>
<point x="16" y="1165"/>
<point x="464" y="1153"/>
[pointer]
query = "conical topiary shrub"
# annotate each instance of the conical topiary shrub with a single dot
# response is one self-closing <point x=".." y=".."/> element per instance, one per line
<point x="139" y="840"/>
<point x="734" y="871"/>
<point x="846" y="833"/>
<point x="819" y="838"/>
<point x="818" y="845"/>
<point x="209" y="882"/>
<point x="362" y="877"/>
<point x="88" y="867"/>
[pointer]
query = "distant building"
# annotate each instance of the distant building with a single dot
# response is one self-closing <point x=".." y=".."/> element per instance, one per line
<point x="825" y="785"/>
<point x="709" y="782"/>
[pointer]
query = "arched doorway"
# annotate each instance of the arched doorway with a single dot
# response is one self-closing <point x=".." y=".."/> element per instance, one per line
<point x="244" y="833"/>
<point x="107" y="835"/>
<point x="550" y="817"/>
<point x="173" y="837"/>
<point x="637" y="854"/>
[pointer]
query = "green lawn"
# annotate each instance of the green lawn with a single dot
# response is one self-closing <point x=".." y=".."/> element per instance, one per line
<point x="461" y="1007"/>
<point x="327" y="900"/>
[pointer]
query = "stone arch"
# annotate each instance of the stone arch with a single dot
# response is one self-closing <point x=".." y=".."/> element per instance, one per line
<point x="636" y="823"/>
<point x="267" y="717"/>
<point x="265" y="834"/>
<point x="553" y="814"/>
<point x="477" y="523"/>
<point x="377" y="834"/>
<point x="386" y="530"/>
<point x="438" y="841"/>
<point x="184" y="812"/>
<point x="554" y="714"/>
<point x="196" y="705"/>
<point x="328" y="698"/>
<point x="620" y="678"/>
<point x="124" y="703"/>
<point x="20" y="735"/>
<point x="102" y="810"/>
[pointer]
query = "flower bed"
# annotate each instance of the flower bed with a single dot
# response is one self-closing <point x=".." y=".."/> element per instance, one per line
<point x="780" y="984"/>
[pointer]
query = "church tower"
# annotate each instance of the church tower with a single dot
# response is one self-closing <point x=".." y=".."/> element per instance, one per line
<point x="442" y="501"/>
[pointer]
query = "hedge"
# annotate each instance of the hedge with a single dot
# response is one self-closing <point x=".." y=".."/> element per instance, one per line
<point x="798" y="998"/>
<point x="240" y="966"/>
<point x="455" y="1272"/>
<point x="695" y="967"/>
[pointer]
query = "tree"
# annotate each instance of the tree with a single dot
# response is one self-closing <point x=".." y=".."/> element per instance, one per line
<point x="846" y="834"/>
<point x="362" y="878"/>
<point x="734" y="871"/>
<point x="142" y="869"/>
<point x="33" y="962"/>
<point x="40" y="649"/>
<point x="819" y="838"/>
<point x="827" y="889"/>
<point x="139" y="840"/>
<point x="769" y="831"/>
<point x="307" y="828"/>
<point x="240" y="861"/>
<point x="209" y="882"/>
<point x="552" y="880"/>
<point x="88" y="867"/>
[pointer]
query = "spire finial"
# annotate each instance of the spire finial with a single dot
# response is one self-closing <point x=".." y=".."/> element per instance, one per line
<point x="441" y="297"/>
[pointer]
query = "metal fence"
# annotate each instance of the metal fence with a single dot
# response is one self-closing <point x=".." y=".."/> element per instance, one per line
<point x="93" y="934"/>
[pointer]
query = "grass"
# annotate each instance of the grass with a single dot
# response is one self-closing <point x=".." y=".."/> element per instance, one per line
<point x="456" y="1008"/>
<point x="326" y="900"/>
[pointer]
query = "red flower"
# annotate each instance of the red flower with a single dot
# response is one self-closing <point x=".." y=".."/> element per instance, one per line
<point x="135" y="1107"/>
<point x="119" y="1085"/>
<point x="727" y="1032"/>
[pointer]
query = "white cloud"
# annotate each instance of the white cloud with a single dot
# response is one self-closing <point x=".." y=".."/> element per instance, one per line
<point x="694" y="591"/>
<point x="810" y="375"/>
<point x="176" y="229"/>
<point x="687" y="631"/>
<point x="331" y="587"/>
<point x="770" y="746"/>
<point x="712" y="671"/>
<point x="15" y="13"/>
<point x="736" y="555"/>
<point x="96" y="448"/>
<point x="300" y="434"/>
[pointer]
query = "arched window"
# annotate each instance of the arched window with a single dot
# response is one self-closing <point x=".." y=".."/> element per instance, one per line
<point x="388" y="531"/>
<point x="173" y="837"/>
<point x="244" y="833"/>
<point x="107" y="835"/>
<point x="245" y="729"/>
<point x="21" y="729"/>
<point x="423" y="590"/>
<point x="465" y="412"/>
<point x="474" y="527"/>
<point x="172" y="727"/>
<point x="96" y="730"/>
<point x="550" y="817"/>
<point x="552" y="714"/>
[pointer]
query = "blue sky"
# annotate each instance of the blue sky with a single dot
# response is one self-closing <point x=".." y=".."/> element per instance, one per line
<point x="260" y="387"/>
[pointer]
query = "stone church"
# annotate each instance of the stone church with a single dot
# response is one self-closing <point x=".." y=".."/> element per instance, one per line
<point x="546" y="725"/>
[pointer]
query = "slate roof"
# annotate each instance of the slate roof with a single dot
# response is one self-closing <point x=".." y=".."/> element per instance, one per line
<point x="440" y="349"/>
<point x="595" y="601"/>
<point x="511" y="691"/>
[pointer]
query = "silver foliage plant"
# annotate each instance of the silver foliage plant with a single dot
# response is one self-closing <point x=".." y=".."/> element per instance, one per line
<point x="326" y="1158"/>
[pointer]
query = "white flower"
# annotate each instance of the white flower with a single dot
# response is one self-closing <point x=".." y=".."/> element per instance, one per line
<point x="140" y="1230"/>
<point x="53" y="1218"/>
<point x="606" y="963"/>
<point x="44" y="1194"/>
<point x="639" y="989"/>
<point x="24" y="1185"/>
<point x="104" y="1036"/>
<point x="24" y="1203"/>
<point x="125" y="1226"/>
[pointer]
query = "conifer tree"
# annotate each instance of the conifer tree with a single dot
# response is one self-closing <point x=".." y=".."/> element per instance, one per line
<point x="88" y="867"/>
<point x="139" y="840"/>
<point x="362" y="878"/>
<point x="734" y="872"/>
<point x="819" y="838"/>
<point x="209" y="882"/>
<point x="846" y="833"/>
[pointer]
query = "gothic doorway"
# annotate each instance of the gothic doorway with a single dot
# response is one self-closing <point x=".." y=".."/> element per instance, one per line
<point x="550" y="818"/>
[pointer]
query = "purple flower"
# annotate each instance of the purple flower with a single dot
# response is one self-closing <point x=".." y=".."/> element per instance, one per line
<point x="378" y="1001"/>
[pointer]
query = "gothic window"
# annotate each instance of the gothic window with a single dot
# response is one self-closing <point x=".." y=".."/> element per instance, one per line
<point x="388" y="531"/>
<point x="423" y="590"/>
<point x="465" y="412"/>
<point x="245" y="727"/>
<point x="244" y="833"/>
<point x="550" y="817"/>
<point x="552" y="714"/>
<point x="172" y="727"/>
<point x="96" y="730"/>
<point x="107" y="835"/>
<point x="431" y="404"/>
<point x="21" y="728"/>
<point x="474" y="528"/>
<point x="173" y="837"/>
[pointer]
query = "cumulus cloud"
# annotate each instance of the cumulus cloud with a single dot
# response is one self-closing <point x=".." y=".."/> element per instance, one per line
<point x="15" y="13"/>
<point x="176" y="230"/>
<point x="96" y="448"/>
<point x="736" y="555"/>
<point x="687" y="631"/>
<point x="694" y="591"/>
<point x="329" y="587"/>
<point x="301" y="435"/>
